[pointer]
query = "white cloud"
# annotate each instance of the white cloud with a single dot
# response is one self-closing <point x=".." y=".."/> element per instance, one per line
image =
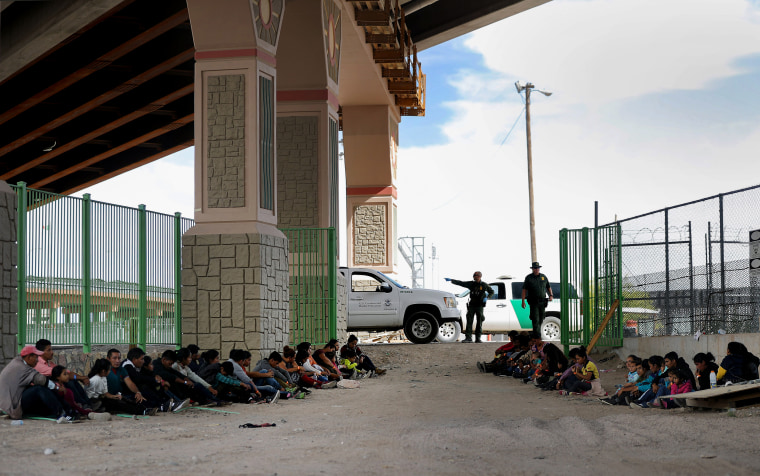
<point x="601" y="50"/>
<point x="164" y="186"/>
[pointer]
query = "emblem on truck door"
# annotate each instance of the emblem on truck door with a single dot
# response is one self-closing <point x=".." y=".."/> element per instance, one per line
<point x="387" y="302"/>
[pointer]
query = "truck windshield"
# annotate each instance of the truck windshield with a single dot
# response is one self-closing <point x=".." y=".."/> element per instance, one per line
<point x="392" y="281"/>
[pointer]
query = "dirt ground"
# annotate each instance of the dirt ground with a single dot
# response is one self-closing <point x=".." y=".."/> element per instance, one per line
<point x="432" y="413"/>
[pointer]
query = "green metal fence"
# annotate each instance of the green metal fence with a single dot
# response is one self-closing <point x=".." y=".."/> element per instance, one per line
<point x="118" y="266"/>
<point x="590" y="262"/>
<point x="313" y="269"/>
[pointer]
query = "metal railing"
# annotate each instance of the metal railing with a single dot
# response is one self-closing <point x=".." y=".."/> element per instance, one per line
<point x="93" y="273"/>
<point x="686" y="268"/>
<point x="313" y="268"/>
<point x="590" y="280"/>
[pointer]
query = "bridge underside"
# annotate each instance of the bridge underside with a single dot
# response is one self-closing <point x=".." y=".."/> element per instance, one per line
<point x="108" y="88"/>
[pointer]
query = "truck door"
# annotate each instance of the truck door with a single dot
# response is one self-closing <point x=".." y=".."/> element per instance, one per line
<point x="372" y="302"/>
<point x="498" y="312"/>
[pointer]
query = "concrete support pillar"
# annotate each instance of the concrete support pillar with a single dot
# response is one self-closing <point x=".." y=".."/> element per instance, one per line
<point x="370" y="142"/>
<point x="234" y="260"/>
<point x="307" y="114"/>
<point x="8" y="278"/>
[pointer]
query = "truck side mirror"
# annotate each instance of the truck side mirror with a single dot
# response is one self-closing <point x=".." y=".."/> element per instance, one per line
<point x="385" y="288"/>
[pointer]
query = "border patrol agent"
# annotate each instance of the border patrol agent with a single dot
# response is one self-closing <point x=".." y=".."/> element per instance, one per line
<point x="535" y="287"/>
<point x="479" y="293"/>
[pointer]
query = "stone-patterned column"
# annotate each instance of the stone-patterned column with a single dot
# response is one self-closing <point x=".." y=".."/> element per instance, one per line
<point x="234" y="260"/>
<point x="370" y="141"/>
<point x="235" y="292"/>
<point x="342" y="324"/>
<point x="308" y="66"/>
<point x="8" y="278"/>
<point x="298" y="167"/>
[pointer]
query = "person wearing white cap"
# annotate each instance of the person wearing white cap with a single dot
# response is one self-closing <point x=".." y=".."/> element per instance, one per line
<point x="23" y="390"/>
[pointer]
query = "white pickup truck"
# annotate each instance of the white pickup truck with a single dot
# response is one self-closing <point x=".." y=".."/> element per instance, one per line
<point x="378" y="303"/>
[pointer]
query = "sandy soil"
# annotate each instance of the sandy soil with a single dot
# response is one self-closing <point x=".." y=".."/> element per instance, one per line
<point x="432" y="413"/>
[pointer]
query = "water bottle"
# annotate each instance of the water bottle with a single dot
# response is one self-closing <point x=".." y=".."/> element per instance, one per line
<point x="713" y="379"/>
<point x="17" y="422"/>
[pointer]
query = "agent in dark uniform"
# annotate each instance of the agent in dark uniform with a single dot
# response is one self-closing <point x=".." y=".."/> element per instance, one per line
<point x="535" y="288"/>
<point x="479" y="294"/>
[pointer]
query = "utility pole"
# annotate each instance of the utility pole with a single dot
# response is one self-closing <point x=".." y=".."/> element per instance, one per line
<point x="527" y="88"/>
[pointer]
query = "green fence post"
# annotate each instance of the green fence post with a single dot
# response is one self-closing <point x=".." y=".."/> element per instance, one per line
<point x="21" y="264"/>
<point x="585" y="281"/>
<point x="619" y="277"/>
<point x="564" y="308"/>
<point x="86" y="272"/>
<point x="332" y="282"/>
<point x="178" y="279"/>
<point x="142" y="278"/>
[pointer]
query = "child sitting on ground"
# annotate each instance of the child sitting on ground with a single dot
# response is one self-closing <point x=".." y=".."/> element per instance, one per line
<point x="350" y="368"/>
<point x="679" y="384"/>
<point x="583" y="375"/>
<point x="61" y="375"/>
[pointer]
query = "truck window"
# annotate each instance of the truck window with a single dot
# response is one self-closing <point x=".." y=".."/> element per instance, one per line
<point x="361" y="282"/>
<point x="498" y="290"/>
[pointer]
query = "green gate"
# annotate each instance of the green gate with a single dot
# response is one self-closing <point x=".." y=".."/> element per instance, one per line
<point x="313" y="270"/>
<point x="590" y="262"/>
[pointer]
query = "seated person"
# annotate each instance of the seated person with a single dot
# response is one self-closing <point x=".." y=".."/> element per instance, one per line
<point x="118" y="381"/>
<point x="297" y="373"/>
<point x="182" y="365"/>
<point x="98" y="393"/>
<point x="271" y="374"/>
<point x="313" y="371"/>
<point x="679" y="384"/>
<point x="210" y="364"/>
<point x="61" y="376"/>
<point x="739" y="365"/>
<point x="24" y="391"/>
<point x="631" y="391"/>
<point x="325" y="358"/>
<point x="554" y="364"/>
<point x="196" y="361"/>
<point x="584" y="374"/>
<point x="365" y="363"/>
<point x="179" y="384"/>
<point x="658" y="373"/>
<point x="351" y="368"/>
<point x="705" y="364"/>
<point x="501" y="354"/>
<point x="76" y="383"/>
<point x="230" y="388"/>
<point x="148" y="384"/>
<point x="260" y="378"/>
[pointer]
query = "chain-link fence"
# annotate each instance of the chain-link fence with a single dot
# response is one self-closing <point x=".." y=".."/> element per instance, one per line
<point x="686" y="269"/>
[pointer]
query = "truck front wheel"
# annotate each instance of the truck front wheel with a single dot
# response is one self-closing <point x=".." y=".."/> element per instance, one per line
<point x="449" y="332"/>
<point x="421" y="327"/>
<point x="550" y="329"/>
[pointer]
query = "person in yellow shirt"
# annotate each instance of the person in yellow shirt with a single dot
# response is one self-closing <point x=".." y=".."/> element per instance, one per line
<point x="584" y="372"/>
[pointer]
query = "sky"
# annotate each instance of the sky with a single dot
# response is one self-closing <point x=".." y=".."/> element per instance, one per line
<point x="655" y="103"/>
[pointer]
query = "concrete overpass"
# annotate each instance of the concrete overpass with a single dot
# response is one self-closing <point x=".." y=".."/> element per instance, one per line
<point x="90" y="89"/>
<point x="108" y="84"/>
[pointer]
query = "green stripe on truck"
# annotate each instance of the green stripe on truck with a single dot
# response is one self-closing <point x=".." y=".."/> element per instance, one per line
<point x="523" y="315"/>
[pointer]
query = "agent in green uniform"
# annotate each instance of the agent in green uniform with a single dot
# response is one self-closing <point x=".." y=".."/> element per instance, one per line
<point x="479" y="294"/>
<point x="535" y="288"/>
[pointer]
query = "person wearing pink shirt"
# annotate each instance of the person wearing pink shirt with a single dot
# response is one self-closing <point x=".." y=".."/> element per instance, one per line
<point x="77" y="382"/>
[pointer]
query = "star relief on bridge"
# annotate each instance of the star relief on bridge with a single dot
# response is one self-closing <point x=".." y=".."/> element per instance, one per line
<point x="267" y="15"/>
<point x="331" y="22"/>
